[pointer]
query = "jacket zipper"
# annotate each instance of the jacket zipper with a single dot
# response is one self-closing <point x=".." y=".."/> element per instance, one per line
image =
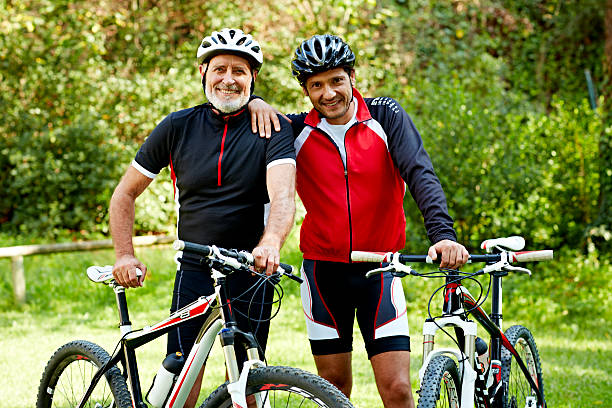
<point x="348" y="201"/>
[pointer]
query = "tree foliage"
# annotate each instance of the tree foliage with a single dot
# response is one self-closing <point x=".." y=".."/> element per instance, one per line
<point x="495" y="87"/>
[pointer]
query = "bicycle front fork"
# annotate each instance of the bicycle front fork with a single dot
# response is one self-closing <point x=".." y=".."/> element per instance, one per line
<point x="228" y="341"/>
<point x="466" y="360"/>
<point x="238" y="379"/>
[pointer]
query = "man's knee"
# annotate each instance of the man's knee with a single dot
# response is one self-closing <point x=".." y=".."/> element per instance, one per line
<point x="337" y="370"/>
<point x="397" y="393"/>
<point x="336" y="375"/>
<point x="399" y="387"/>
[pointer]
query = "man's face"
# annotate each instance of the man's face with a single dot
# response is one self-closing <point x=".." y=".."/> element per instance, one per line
<point x="228" y="82"/>
<point x="331" y="94"/>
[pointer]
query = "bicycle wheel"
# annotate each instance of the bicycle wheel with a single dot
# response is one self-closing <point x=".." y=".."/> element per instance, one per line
<point x="440" y="386"/>
<point x="69" y="373"/>
<point x="285" y="387"/>
<point x="517" y="391"/>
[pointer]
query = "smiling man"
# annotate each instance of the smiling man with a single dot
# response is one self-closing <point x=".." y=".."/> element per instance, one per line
<point x="355" y="157"/>
<point x="223" y="176"/>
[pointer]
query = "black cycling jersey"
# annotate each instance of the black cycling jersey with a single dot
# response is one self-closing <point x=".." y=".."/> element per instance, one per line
<point x="218" y="166"/>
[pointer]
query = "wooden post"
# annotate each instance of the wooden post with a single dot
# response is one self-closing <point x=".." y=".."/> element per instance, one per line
<point x="19" y="285"/>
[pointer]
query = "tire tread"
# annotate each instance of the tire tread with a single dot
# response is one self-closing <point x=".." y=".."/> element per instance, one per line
<point x="96" y="354"/>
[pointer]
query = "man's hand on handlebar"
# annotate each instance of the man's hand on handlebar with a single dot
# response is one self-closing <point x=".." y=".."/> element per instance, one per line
<point x="125" y="271"/>
<point x="266" y="258"/>
<point x="452" y="254"/>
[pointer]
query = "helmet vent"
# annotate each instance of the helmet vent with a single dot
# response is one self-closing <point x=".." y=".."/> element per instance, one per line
<point x="318" y="51"/>
<point x="241" y="41"/>
<point x="232" y="33"/>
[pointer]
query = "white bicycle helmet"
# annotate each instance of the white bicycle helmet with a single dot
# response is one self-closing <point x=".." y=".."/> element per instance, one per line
<point x="231" y="41"/>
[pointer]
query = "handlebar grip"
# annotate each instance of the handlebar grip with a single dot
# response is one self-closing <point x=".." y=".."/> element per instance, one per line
<point x="288" y="272"/>
<point x="180" y="245"/>
<point x="286" y="267"/>
<point x="532" y="256"/>
<point x="364" y="256"/>
<point x="367" y="256"/>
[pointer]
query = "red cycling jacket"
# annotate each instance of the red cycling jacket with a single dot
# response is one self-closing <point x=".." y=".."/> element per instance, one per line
<point x="360" y="207"/>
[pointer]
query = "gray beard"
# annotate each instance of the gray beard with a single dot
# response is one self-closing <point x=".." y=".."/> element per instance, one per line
<point x="229" y="106"/>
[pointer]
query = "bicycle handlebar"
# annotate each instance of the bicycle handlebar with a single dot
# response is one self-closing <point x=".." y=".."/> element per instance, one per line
<point x="243" y="258"/>
<point x="522" y="256"/>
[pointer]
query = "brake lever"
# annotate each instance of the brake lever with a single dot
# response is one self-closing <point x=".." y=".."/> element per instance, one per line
<point x="388" y="268"/>
<point x="511" y="268"/>
<point x="393" y="268"/>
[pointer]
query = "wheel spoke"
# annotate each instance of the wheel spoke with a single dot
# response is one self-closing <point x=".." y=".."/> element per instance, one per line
<point x="520" y="391"/>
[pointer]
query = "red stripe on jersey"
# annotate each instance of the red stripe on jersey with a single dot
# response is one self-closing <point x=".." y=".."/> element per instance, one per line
<point x="173" y="177"/>
<point x="221" y="155"/>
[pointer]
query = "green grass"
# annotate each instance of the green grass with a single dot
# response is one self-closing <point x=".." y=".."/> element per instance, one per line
<point x="572" y="332"/>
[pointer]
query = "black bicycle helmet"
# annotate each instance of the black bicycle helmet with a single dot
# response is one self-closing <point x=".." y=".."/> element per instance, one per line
<point x="321" y="53"/>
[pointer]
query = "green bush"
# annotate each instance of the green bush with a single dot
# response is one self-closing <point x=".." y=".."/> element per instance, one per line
<point x="506" y="167"/>
<point x="60" y="179"/>
<point x="513" y="148"/>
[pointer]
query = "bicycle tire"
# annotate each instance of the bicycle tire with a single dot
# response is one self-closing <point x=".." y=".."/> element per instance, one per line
<point x="440" y="386"/>
<point x="286" y="387"/>
<point x="69" y="372"/>
<point x="517" y="390"/>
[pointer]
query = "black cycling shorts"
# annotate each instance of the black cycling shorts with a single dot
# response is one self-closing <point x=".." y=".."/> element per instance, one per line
<point x="333" y="292"/>
<point x="190" y="284"/>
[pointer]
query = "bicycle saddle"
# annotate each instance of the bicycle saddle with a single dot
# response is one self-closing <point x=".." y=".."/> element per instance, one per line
<point x="514" y="243"/>
<point x="100" y="273"/>
<point x="103" y="273"/>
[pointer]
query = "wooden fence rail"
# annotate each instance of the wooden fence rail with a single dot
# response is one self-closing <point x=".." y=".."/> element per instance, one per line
<point x="16" y="253"/>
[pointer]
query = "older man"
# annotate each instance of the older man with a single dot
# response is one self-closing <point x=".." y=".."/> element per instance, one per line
<point x="223" y="176"/>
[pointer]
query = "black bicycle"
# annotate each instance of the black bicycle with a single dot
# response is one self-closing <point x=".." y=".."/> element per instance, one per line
<point x="505" y="372"/>
<point x="82" y="374"/>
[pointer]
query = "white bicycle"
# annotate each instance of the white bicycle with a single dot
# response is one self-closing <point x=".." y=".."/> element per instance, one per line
<point x="505" y="372"/>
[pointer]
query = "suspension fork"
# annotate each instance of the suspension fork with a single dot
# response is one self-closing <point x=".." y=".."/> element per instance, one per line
<point x="231" y="334"/>
<point x="452" y="306"/>
<point x="449" y="305"/>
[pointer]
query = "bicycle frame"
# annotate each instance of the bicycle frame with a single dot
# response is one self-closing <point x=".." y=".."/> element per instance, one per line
<point x="457" y="299"/>
<point x="215" y="317"/>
